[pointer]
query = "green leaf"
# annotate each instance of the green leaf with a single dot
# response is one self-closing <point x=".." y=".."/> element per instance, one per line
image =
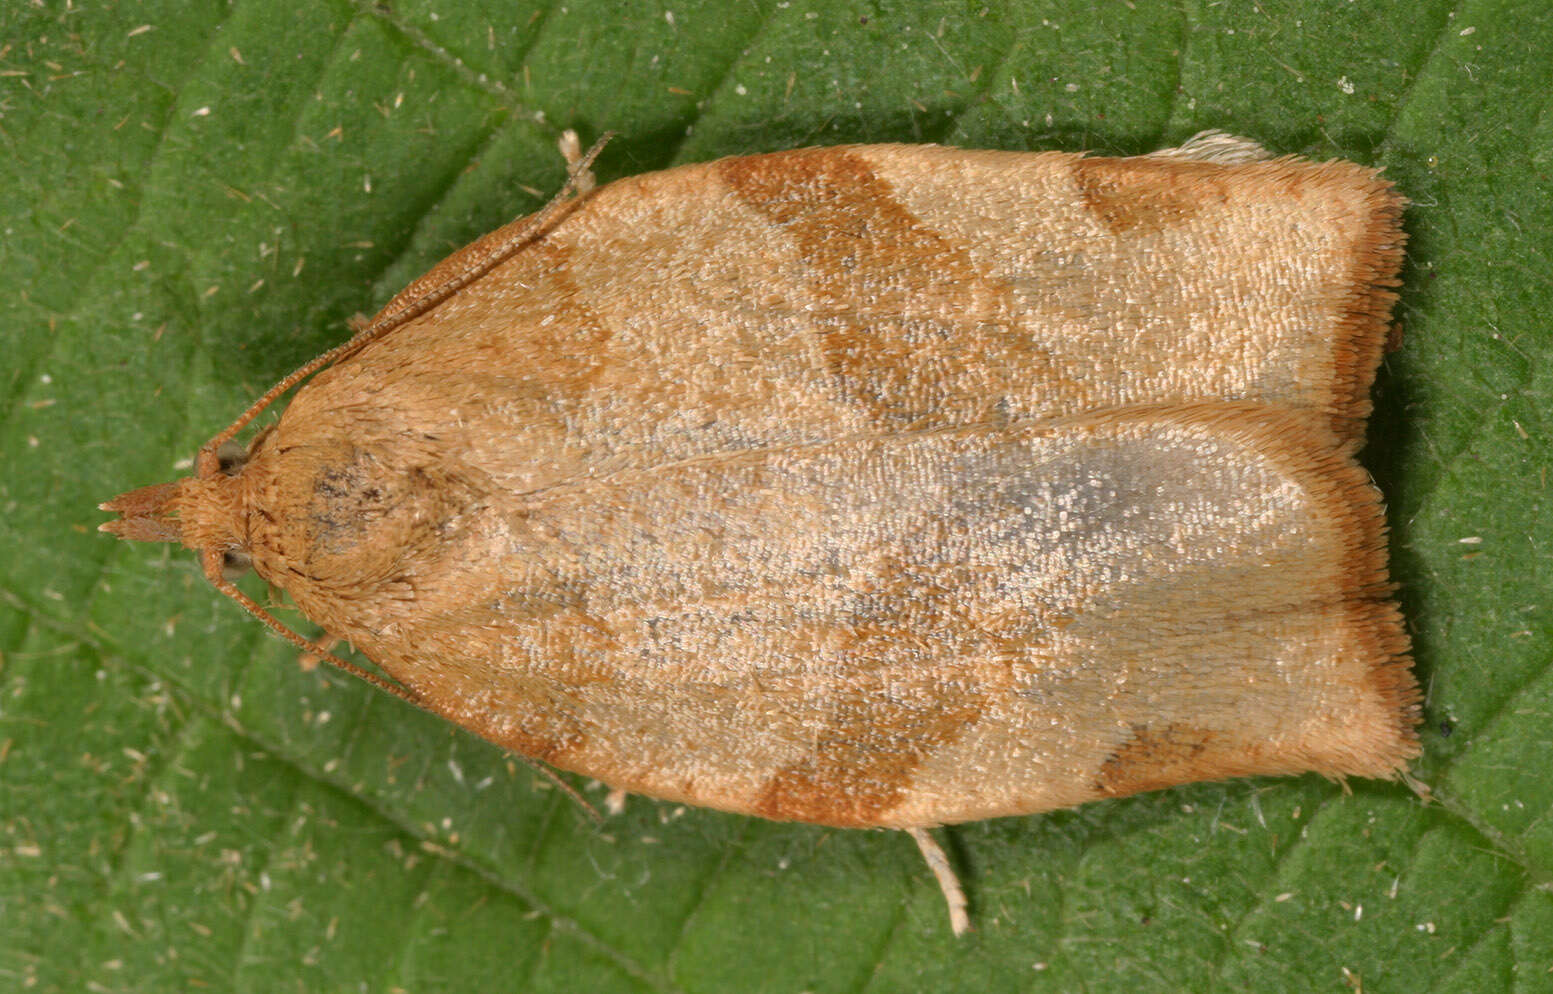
<point x="197" y="195"/>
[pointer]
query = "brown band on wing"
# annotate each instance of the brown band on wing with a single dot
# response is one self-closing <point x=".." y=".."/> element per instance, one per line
<point x="1131" y="197"/>
<point x="875" y="270"/>
<point x="1155" y="758"/>
<point x="863" y="767"/>
<point x="579" y="333"/>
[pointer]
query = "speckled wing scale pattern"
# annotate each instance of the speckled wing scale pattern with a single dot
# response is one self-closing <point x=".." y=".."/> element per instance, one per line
<point x="874" y="486"/>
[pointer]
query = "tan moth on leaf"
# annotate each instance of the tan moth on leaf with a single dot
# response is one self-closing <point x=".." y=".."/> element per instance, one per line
<point x="872" y="486"/>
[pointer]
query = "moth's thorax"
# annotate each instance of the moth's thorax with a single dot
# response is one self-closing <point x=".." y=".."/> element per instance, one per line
<point x="344" y="516"/>
<point x="213" y="512"/>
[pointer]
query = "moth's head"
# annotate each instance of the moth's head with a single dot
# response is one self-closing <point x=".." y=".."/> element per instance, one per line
<point x="206" y="512"/>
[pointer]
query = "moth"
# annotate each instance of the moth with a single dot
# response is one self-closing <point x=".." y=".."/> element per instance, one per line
<point x="881" y="486"/>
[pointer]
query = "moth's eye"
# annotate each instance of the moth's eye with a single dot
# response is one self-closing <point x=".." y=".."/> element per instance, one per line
<point x="235" y="565"/>
<point x="231" y="456"/>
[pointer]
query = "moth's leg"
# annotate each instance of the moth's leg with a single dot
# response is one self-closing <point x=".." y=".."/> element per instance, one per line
<point x="1215" y="146"/>
<point x="615" y="800"/>
<point x="322" y="646"/>
<point x="948" y="882"/>
<point x="571" y="150"/>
